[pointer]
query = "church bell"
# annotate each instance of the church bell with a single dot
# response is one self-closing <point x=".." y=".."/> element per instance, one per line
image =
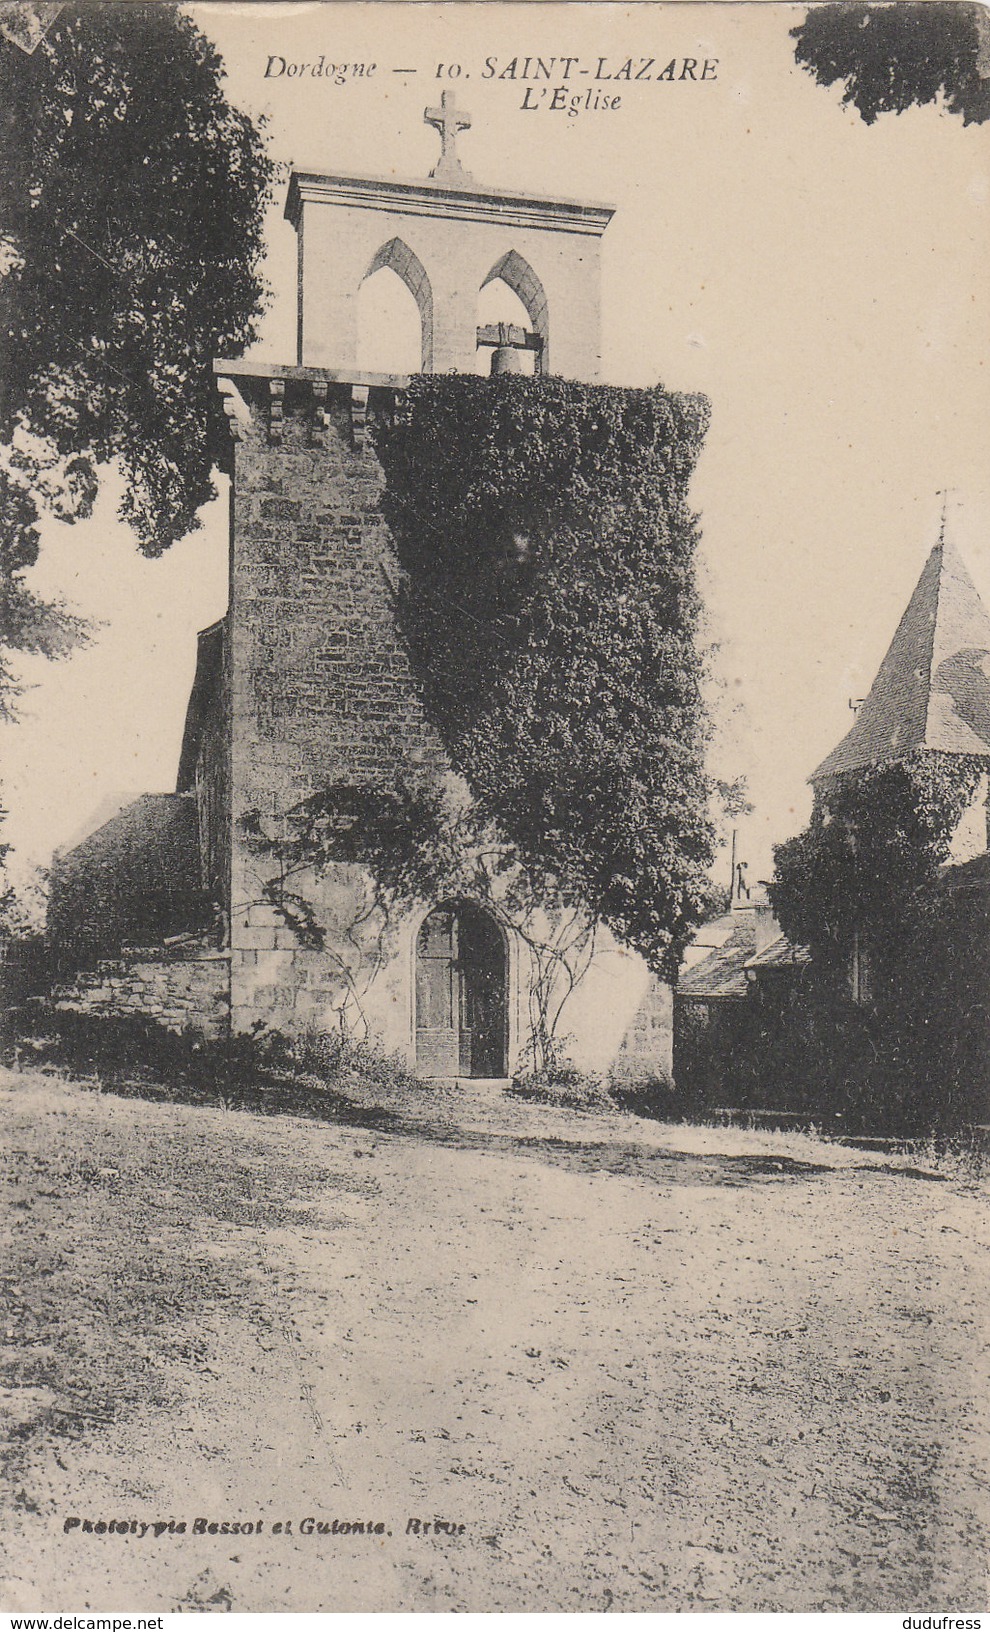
<point x="505" y="360"/>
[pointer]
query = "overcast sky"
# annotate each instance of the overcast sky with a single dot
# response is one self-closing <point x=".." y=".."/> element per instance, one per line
<point x="824" y="283"/>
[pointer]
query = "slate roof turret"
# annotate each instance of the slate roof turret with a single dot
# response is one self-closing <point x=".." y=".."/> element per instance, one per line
<point x="932" y="689"/>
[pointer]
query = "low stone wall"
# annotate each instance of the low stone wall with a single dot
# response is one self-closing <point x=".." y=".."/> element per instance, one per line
<point x="184" y="993"/>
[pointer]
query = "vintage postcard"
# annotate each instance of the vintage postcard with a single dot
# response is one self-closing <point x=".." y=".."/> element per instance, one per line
<point x="494" y="749"/>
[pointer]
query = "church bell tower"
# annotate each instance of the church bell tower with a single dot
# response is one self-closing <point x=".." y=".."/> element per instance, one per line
<point x="311" y="682"/>
<point x="447" y="237"/>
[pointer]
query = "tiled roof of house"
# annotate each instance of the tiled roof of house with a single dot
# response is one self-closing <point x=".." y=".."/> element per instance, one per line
<point x="780" y="954"/>
<point x="151" y="842"/>
<point x="136" y="879"/>
<point x="933" y="687"/>
<point x="721" y="974"/>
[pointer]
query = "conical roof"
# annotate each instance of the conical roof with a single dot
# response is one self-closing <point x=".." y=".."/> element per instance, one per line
<point x="933" y="687"/>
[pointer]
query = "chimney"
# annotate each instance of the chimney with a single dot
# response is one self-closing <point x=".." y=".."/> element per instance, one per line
<point x="765" y="926"/>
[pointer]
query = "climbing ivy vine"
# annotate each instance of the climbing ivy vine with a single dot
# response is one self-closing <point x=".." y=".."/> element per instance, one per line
<point x="876" y="837"/>
<point x="549" y="604"/>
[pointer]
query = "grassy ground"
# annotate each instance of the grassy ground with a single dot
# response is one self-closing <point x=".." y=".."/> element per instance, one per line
<point x="644" y="1367"/>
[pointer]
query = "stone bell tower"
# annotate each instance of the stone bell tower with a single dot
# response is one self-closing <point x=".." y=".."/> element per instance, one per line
<point x="446" y="238"/>
<point x="312" y="685"/>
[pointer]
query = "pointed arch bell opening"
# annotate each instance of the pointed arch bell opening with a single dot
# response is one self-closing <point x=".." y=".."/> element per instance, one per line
<point x="396" y="256"/>
<point x="515" y="271"/>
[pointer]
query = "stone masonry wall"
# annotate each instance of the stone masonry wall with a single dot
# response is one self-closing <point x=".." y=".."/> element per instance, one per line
<point x="184" y="994"/>
<point x="322" y="691"/>
<point x="646" y="1050"/>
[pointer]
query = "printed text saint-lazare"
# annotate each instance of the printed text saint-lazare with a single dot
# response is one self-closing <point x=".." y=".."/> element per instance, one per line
<point x="529" y="70"/>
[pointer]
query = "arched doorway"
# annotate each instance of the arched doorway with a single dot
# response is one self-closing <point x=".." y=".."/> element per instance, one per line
<point x="461" y="994"/>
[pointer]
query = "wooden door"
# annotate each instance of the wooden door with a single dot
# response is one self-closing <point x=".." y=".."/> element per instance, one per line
<point x="438" y="1017"/>
<point x="481" y="965"/>
<point x="461" y="994"/>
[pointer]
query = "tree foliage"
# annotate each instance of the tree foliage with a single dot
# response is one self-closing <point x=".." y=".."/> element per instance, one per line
<point x="131" y="215"/>
<point x="22" y="903"/>
<point x="876" y="838"/>
<point x="10" y="915"/>
<point x="132" y="223"/>
<point x="27" y="624"/>
<point x="895" y="56"/>
<point x="912" y="1056"/>
<point x="549" y="605"/>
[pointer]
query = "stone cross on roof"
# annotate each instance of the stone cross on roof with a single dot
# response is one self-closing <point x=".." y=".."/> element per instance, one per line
<point x="448" y="121"/>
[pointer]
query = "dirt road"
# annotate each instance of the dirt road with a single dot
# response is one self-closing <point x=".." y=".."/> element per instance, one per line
<point x="643" y="1367"/>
